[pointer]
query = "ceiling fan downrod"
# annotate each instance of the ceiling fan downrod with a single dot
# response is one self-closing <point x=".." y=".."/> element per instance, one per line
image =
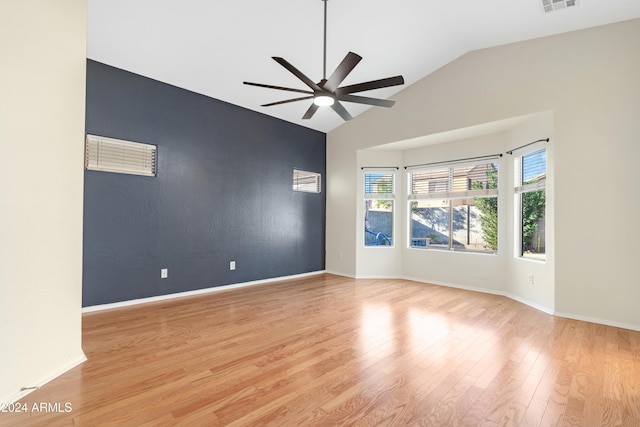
<point x="323" y="99"/>
<point x="324" y="51"/>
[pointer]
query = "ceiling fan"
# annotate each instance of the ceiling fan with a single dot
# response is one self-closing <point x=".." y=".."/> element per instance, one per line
<point x="327" y="92"/>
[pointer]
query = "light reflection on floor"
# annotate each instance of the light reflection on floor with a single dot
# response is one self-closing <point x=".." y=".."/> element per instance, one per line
<point x="377" y="337"/>
<point x="426" y="329"/>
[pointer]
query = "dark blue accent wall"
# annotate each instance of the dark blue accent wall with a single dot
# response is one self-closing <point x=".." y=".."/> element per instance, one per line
<point x="223" y="193"/>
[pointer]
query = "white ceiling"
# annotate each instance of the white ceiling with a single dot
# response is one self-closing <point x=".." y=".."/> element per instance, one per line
<point x="212" y="46"/>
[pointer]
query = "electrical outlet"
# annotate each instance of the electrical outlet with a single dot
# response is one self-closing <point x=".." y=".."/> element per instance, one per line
<point x="232" y="265"/>
<point x="164" y="273"/>
<point x="530" y="279"/>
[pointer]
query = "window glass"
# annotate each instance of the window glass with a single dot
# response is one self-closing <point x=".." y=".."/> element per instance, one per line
<point x="429" y="223"/>
<point x="455" y="208"/>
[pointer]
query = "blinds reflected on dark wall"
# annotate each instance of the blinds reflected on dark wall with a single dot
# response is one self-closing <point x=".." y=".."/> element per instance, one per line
<point x="119" y="156"/>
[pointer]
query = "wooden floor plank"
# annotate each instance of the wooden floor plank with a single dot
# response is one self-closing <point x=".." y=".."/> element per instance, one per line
<point x="329" y="351"/>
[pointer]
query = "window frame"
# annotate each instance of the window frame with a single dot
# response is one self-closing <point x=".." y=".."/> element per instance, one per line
<point x="519" y="189"/>
<point x="371" y="196"/>
<point x="454" y="192"/>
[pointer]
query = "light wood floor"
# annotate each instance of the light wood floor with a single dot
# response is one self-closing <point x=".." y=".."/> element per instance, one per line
<point x="333" y="351"/>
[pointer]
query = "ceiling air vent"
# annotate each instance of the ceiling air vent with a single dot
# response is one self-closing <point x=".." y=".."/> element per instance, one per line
<point x="551" y="5"/>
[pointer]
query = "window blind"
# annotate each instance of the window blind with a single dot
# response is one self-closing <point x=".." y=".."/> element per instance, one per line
<point x="306" y="181"/>
<point x="119" y="156"/>
<point x="456" y="181"/>
<point x="379" y="185"/>
<point x="531" y="171"/>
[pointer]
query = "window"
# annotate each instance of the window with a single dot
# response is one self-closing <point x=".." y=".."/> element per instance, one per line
<point x="454" y="206"/>
<point x="308" y="182"/>
<point x="379" y="194"/>
<point x="530" y="182"/>
<point x="115" y="155"/>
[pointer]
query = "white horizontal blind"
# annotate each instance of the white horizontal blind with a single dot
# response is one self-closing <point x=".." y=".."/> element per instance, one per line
<point x="456" y="181"/>
<point x="379" y="185"/>
<point x="306" y="181"/>
<point x="119" y="156"/>
<point x="531" y="171"/>
<point x="430" y="182"/>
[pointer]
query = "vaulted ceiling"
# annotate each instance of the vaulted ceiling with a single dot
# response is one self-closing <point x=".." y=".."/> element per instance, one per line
<point x="211" y="46"/>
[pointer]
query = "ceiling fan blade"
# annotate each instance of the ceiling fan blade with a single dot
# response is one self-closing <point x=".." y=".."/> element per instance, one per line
<point x="293" y="70"/>
<point x="338" y="108"/>
<point x="286" y="101"/>
<point x="310" y="112"/>
<point x="373" y="84"/>
<point x="346" y="66"/>
<point x="366" y="100"/>
<point x="278" y="87"/>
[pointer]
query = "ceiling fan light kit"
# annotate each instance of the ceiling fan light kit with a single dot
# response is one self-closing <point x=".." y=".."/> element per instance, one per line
<point x="327" y="92"/>
<point x="323" y="100"/>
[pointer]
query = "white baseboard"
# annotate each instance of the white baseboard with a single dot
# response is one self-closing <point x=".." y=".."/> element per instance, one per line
<point x="338" y="273"/>
<point x="128" y="303"/>
<point x="532" y="304"/>
<point x="367" y="277"/>
<point x="489" y="291"/>
<point x="457" y="286"/>
<point x="605" y="322"/>
<point x="45" y="379"/>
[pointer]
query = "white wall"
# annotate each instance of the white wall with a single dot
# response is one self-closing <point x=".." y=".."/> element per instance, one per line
<point x="341" y="181"/>
<point x="588" y="81"/>
<point x="42" y="82"/>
